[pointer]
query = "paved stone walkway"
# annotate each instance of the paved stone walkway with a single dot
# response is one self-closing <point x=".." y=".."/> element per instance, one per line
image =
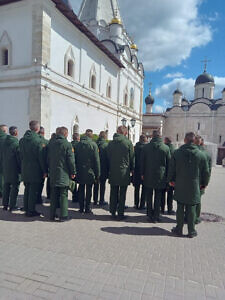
<point x="97" y="258"/>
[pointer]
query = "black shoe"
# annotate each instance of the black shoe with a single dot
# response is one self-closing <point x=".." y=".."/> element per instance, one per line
<point x="171" y="212"/>
<point x="5" y="208"/>
<point x="198" y="221"/>
<point x="162" y="211"/>
<point x="158" y="220"/>
<point x="22" y="209"/>
<point x="121" y="217"/>
<point x="113" y="216"/>
<point x="192" y="235"/>
<point x="176" y="232"/>
<point x="14" y="209"/>
<point x="95" y="203"/>
<point x="126" y="207"/>
<point x="33" y="214"/>
<point x="104" y="203"/>
<point x="64" y="219"/>
<point x="150" y="219"/>
<point x="88" y="211"/>
<point x="142" y="207"/>
<point x="81" y="211"/>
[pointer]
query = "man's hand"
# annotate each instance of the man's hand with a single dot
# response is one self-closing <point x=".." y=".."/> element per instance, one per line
<point x="172" y="183"/>
<point x="73" y="176"/>
<point x="45" y="175"/>
<point x="202" y="187"/>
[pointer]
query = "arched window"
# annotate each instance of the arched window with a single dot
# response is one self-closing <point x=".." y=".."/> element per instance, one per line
<point x="177" y="137"/>
<point x="125" y="99"/>
<point x="108" y="89"/>
<point x="203" y="93"/>
<point x="131" y="98"/>
<point x="70" y="68"/>
<point x="5" y="57"/>
<point x="93" y="82"/>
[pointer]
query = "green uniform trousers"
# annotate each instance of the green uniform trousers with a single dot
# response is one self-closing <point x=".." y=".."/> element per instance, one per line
<point x="59" y="199"/>
<point x="190" y="214"/>
<point x="102" y="192"/>
<point x="30" y="196"/>
<point x="153" y="211"/>
<point x="139" y="202"/>
<point x="169" y="192"/>
<point x="85" y="197"/>
<point x="1" y="185"/>
<point x="117" y="199"/>
<point x="10" y="193"/>
<point x="198" y="212"/>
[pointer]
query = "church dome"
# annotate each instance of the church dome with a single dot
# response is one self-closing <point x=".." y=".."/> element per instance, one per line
<point x="149" y="99"/>
<point x="116" y="21"/>
<point x="204" y="78"/>
<point x="134" y="47"/>
<point x="177" y="91"/>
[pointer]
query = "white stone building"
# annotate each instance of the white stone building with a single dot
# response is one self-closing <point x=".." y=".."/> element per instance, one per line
<point x="57" y="70"/>
<point x="203" y="115"/>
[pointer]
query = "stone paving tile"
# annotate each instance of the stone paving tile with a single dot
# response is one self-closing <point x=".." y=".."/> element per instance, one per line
<point x="93" y="257"/>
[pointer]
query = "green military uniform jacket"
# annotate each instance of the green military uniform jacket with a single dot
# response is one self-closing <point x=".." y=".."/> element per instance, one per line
<point x="172" y="148"/>
<point x="61" y="162"/>
<point x="33" y="166"/>
<point x="189" y="170"/>
<point x="102" y="146"/>
<point x="11" y="160"/>
<point x="87" y="161"/>
<point x="209" y="161"/>
<point x="137" y="171"/>
<point x="121" y="161"/>
<point x="155" y="163"/>
<point x="2" y="140"/>
<point x="74" y="144"/>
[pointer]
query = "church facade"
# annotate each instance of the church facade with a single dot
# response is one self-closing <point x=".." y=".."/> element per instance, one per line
<point x="203" y="115"/>
<point x="64" y="70"/>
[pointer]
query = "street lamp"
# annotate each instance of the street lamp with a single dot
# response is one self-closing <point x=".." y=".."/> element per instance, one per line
<point x="124" y="122"/>
<point x="132" y="122"/>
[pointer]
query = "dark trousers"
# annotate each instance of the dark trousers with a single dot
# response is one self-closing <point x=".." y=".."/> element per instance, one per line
<point x="48" y="188"/>
<point x="59" y="199"/>
<point x="1" y="184"/>
<point x="39" y="198"/>
<point x="85" y="193"/>
<point x="30" y="196"/>
<point x="75" y="197"/>
<point x="102" y="192"/>
<point x="153" y="211"/>
<point x="190" y="214"/>
<point x="139" y="202"/>
<point x="169" y="192"/>
<point x="10" y="193"/>
<point x="198" y="212"/>
<point x="117" y="199"/>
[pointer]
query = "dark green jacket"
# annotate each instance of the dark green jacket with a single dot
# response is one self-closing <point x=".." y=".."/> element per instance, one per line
<point x="61" y="161"/>
<point x="102" y="147"/>
<point x="2" y="140"/>
<point x="137" y="171"/>
<point x="172" y="148"/>
<point x="74" y="144"/>
<point x="155" y="163"/>
<point x="87" y="161"/>
<point x="189" y="170"/>
<point x="120" y="155"/>
<point x="44" y="146"/>
<point x="11" y="160"/>
<point x="208" y="157"/>
<point x="33" y="166"/>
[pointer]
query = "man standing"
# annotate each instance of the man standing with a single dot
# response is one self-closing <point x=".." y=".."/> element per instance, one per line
<point x="199" y="142"/>
<point x="102" y="146"/>
<point x="62" y="169"/>
<point x="44" y="144"/>
<point x="75" y="142"/>
<point x="169" y="189"/>
<point x="120" y="155"/>
<point x="11" y="169"/>
<point x="189" y="173"/>
<point x="137" y="180"/>
<point x="154" y="168"/>
<point x="33" y="168"/>
<point x="3" y="135"/>
<point x="88" y="169"/>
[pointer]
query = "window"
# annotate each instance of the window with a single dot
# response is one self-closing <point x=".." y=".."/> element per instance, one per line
<point x="93" y="82"/>
<point x="131" y="98"/>
<point x="199" y="126"/>
<point x="126" y="99"/>
<point x="177" y="139"/>
<point x="203" y="92"/>
<point x="108" y="89"/>
<point x="220" y="139"/>
<point x="70" y="68"/>
<point x="5" y="57"/>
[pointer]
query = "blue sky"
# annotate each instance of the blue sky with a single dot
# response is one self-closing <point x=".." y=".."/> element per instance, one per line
<point x="174" y="36"/>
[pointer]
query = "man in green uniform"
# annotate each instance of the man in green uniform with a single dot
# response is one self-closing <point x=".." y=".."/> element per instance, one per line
<point x="120" y="155"/>
<point x="33" y="167"/>
<point x="88" y="169"/>
<point x="61" y="163"/>
<point x="169" y="189"/>
<point x="76" y="140"/>
<point x="11" y="169"/>
<point x="3" y="135"/>
<point x="44" y="144"/>
<point x="189" y="174"/>
<point x="154" y="170"/>
<point x="102" y="146"/>
<point x="137" y="180"/>
<point x="199" y="142"/>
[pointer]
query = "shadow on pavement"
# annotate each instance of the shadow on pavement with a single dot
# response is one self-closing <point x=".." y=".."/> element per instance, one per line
<point x="137" y="231"/>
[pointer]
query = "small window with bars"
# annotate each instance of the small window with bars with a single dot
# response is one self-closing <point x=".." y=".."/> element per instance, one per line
<point x="5" y="57"/>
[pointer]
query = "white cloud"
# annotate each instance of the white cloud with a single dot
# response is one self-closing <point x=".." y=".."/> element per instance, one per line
<point x="158" y="108"/>
<point x="164" y="93"/>
<point x="165" y="31"/>
<point x="174" y="75"/>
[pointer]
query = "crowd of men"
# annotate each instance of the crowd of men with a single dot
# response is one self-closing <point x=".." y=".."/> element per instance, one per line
<point x="155" y="168"/>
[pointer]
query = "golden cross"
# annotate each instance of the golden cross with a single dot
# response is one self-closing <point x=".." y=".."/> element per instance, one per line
<point x="205" y="61"/>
